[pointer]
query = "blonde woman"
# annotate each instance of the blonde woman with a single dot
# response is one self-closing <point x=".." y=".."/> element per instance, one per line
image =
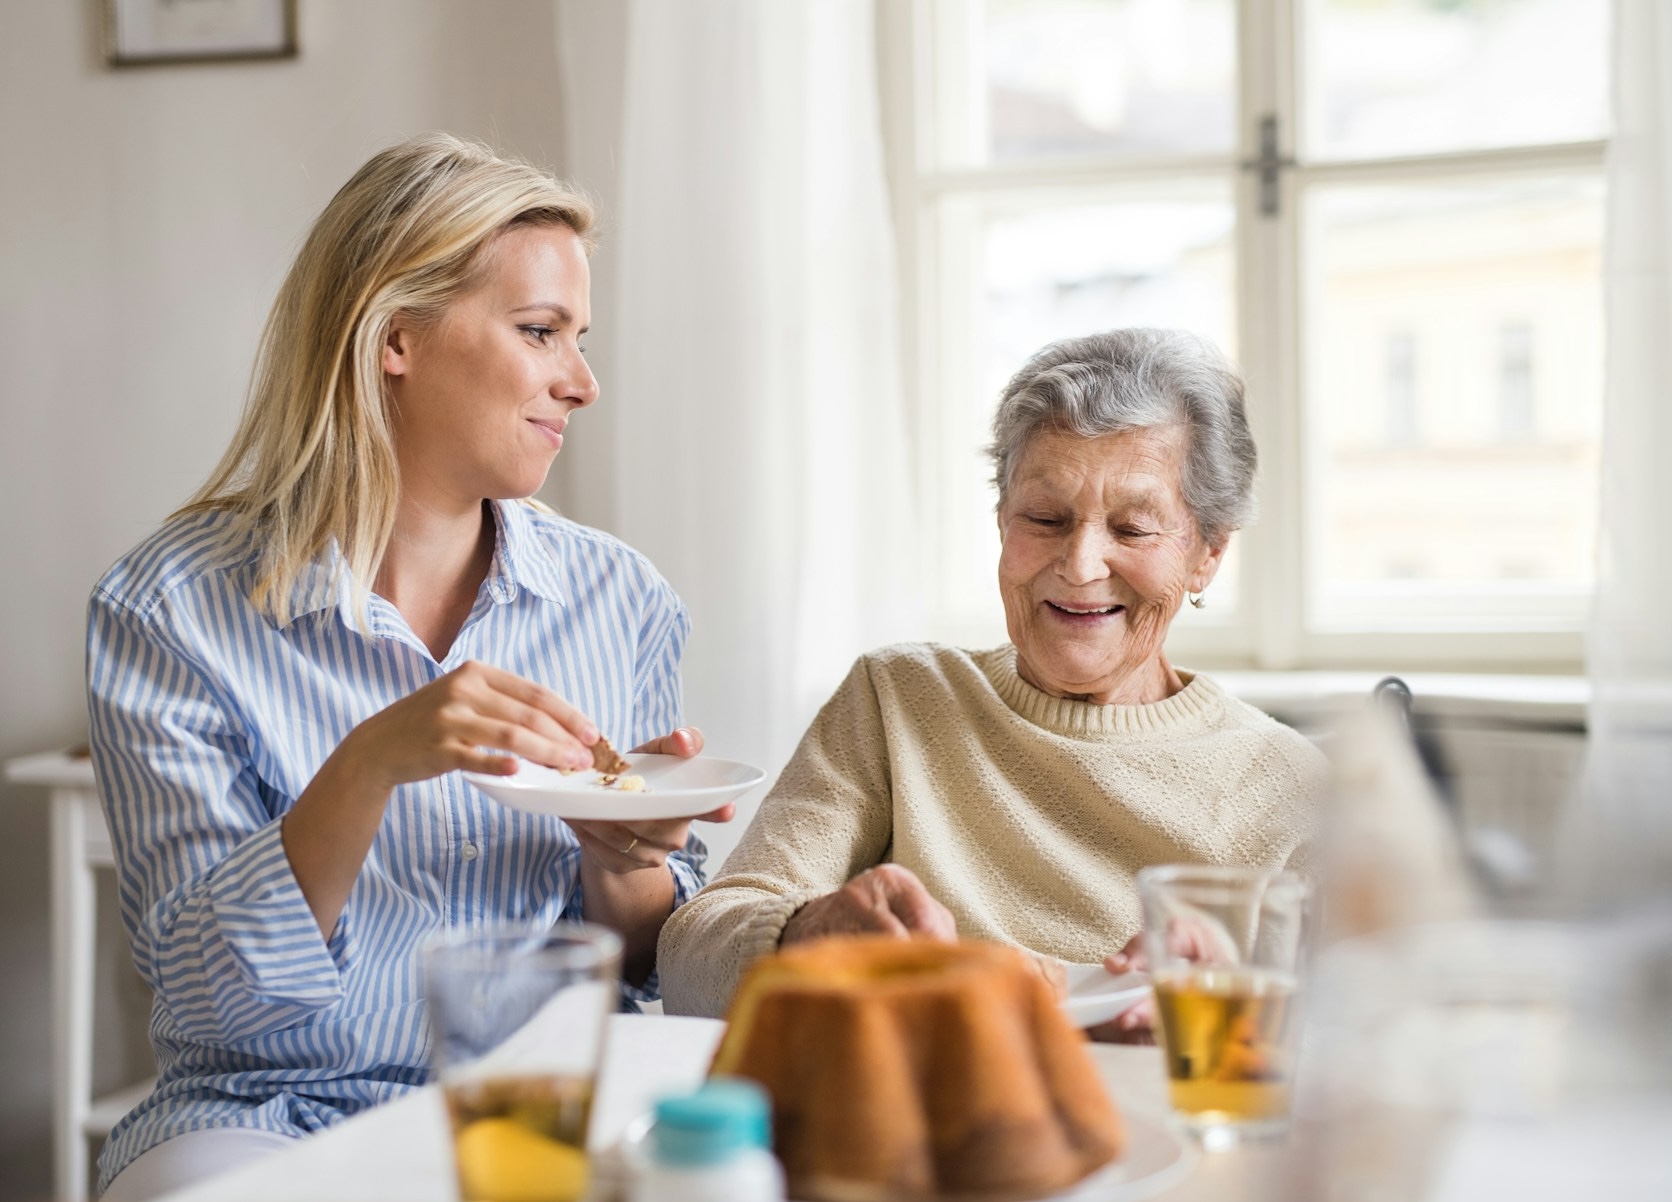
<point x="286" y="679"/>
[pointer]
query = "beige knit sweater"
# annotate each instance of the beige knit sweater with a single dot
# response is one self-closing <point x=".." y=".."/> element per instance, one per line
<point x="1026" y="815"/>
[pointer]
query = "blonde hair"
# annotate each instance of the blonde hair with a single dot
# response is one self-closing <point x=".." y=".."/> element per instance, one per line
<point x="314" y="455"/>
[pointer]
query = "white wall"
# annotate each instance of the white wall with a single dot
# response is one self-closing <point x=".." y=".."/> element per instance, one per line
<point x="146" y="218"/>
<point x="592" y="53"/>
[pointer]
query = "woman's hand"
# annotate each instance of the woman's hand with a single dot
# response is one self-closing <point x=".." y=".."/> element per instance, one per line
<point x="618" y="892"/>
<point x="623" y="847"/>
<point x="440" y="727"/>
<point x="445" y="726"/>
<point x="887" y="899"/>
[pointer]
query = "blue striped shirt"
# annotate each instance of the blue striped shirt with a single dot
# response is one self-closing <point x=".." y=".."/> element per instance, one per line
<point x="208" y="721"/>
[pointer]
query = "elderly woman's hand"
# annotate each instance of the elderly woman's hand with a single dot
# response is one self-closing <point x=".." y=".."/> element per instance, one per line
<point x="1195" y="937"/>
<point x="1136" y="1025"/>
<point x="887" y="900"/>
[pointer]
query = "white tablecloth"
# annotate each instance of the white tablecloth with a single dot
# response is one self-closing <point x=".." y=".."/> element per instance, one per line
<point x="399" y="1152"/>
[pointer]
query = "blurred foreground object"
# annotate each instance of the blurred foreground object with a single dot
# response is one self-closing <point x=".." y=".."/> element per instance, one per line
<point x="1452" y="1055"/>
<point x="1390" y="855"/>
<point x="1488" y="1059"/>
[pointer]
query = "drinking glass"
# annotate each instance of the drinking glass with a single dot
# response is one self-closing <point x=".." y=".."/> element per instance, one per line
<point x="1225" y="946"/>
<point x="517" y="1016"/>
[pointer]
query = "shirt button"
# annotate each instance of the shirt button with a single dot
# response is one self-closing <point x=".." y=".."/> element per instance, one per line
<point x="469" y="851"/>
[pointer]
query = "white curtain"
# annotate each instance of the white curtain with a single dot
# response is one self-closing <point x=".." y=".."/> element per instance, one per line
<point x="759" y="449"/>
<point x="1622" y="830"/>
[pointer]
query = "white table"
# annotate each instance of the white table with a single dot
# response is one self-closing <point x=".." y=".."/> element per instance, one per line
<point x="399" y="1153"/>
<point x="80" y="848"/>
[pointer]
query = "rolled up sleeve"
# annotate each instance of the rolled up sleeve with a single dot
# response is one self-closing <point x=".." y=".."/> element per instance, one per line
<point x="828" y="818"/>
<point x="219" y="926"/>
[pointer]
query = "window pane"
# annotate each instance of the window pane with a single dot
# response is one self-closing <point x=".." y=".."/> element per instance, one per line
<point x="1454" y="380"/>
<point x="1107" y="77"/>
<point x="1398" y="77"/>
<point x="1019" y="274"/>
<point x="1049" y="273"/>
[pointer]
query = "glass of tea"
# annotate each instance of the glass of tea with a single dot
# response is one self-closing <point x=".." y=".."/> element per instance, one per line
<point x="517" y="1017"/>
<point x="1224" y="947"/>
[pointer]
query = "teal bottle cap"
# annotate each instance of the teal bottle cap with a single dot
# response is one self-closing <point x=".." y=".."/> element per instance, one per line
<point x="726" y="1116"/>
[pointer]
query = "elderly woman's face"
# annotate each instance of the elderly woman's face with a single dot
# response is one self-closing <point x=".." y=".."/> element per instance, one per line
<point x="1099" y="551"/>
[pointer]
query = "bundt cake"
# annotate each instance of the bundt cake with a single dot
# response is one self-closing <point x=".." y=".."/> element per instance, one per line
<point x="910" y="1068"/>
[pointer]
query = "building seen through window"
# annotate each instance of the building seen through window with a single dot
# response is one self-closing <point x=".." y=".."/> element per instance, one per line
<point x="1401" y="388"/>
<point x="1451" y="477"/>
<point x="1517" y="414"/>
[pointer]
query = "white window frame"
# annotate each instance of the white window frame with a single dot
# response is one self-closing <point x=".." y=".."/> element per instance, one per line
<point x="1270" y="630"/>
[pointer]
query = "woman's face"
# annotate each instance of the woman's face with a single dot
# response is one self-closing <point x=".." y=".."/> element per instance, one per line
<point x="1098" y="553"/>
<point x="482" y="395"/>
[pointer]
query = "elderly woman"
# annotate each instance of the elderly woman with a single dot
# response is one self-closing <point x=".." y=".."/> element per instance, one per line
<point x="1013" y="794"/>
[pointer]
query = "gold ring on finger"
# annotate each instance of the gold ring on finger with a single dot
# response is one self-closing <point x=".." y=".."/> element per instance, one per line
<point x="629" y="848"/>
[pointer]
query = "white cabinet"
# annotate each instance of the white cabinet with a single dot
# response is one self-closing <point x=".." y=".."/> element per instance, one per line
<point x="80" y="847"/>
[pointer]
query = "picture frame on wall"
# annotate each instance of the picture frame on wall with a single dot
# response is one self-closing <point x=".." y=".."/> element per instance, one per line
<point x="142" y="33"/>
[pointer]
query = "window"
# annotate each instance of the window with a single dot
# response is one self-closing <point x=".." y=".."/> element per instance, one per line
<point x="1377" y="208"/>
<point x="1516" y="412"/>
<point x="1402" y="388"/>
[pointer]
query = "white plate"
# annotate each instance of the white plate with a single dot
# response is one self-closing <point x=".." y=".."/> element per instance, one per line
<point x="1095" y="997"/>
<point x="1158" y="1156"/>
<point x="674" y="788"/>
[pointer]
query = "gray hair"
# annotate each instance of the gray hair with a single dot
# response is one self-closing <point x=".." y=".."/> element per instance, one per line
<point x="1136" y="380"/>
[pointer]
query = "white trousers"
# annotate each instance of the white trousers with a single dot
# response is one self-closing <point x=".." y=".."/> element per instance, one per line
<point x="190" y="1158"/>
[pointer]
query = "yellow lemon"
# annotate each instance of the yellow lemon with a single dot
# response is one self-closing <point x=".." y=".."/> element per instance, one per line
<point x="502" y="1161"/>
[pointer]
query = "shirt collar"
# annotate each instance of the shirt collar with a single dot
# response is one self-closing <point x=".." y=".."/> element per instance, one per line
<point x="325" y="583"/>
<point x="520" y="557"/>
<point x="520" y="560"/>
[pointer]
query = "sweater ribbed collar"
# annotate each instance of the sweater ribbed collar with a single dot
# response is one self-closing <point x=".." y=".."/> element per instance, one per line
<point x="1197" y="706"/>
